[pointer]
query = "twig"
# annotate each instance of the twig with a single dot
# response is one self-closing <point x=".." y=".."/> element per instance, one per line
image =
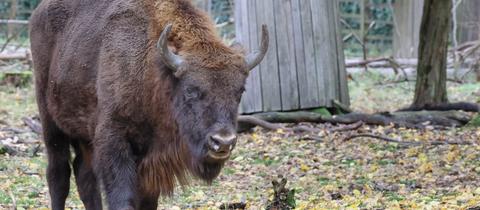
<point x="311" y="138"/>
<point x="14" y="201"/>
<point x="14" y="130"/>
<point x="408" y="143"/>
<point x="297" y="129"/>
<point x="315" y="131"/>
<point x="350" y="127"/>
<point x="256" y="121"/>
<point x="32" y="124"/>
<point x="460" y="106"/>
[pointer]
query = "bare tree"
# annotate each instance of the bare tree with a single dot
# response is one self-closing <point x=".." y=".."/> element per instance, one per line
<point x="431" y="86"/>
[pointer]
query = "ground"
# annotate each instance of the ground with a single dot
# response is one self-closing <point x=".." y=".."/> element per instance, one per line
<point x="328" y="174"/>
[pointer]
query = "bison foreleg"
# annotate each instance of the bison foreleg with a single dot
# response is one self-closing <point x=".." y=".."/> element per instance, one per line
<point x="149" y="202"/>
<point x="114" y="164"/>
<point x="58" y="170"/>
<point x="86" y="181"/>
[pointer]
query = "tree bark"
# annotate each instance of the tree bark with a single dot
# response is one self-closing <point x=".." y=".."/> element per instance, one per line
<point x="431" y="86"/>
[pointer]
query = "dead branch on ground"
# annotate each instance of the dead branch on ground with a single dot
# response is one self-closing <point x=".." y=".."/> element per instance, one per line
<point x="407" y="143"/>
<point x="417" y="119"/>
<point x="461" y="106"/>
<point x="34" y="125"/>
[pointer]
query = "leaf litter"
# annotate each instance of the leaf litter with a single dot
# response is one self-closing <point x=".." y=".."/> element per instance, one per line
<point x="325" y="172"/>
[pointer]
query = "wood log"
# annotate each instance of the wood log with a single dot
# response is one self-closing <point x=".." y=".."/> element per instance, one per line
<point x="410" y="119"/>
<point x="463" y="106"/>
<point x="380" y="62"/>
<point x="16" y="56"/>
<point x="18" y="22"/>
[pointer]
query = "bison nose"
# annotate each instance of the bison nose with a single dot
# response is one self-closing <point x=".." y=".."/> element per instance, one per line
<point x="222" y="143"/>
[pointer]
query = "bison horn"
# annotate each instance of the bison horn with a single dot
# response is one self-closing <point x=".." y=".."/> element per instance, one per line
<point x="254" y="58"/>
<point x="169" y="58"/>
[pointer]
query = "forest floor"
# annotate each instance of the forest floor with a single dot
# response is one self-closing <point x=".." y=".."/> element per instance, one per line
<point x="328" y="174"/>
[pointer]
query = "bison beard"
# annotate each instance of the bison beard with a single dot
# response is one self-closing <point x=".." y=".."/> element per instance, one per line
<point x="139" y="117"/>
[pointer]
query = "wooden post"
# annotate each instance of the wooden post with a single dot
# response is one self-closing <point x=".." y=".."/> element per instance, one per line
<point x="12" y="16"/>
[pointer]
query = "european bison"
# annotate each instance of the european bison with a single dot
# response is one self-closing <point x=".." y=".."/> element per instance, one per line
<point x="144" y="91"/>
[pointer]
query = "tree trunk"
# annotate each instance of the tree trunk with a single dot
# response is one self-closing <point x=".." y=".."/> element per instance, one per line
<point x="431" y="86"/>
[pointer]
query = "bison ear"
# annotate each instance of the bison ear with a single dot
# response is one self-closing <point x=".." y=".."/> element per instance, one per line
<point x="237" y="47"/>
<point x="168" y="57"/>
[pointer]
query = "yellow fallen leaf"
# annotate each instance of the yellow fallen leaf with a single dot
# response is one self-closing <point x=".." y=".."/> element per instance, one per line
<point x="304" y="167"/>
<point x="412" y="152"/>
<point x="422" y="157"/>
<point x="426" y="167"/>
<point x="357" y="193"/>
<point x="452" y="156"/>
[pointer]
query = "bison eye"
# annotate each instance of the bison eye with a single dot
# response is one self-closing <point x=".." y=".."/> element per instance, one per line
<point x="192" y="93"/>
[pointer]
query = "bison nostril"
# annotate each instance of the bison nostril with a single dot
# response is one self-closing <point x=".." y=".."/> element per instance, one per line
<point x="222" y="143"/>
<point x="214" y="144"/>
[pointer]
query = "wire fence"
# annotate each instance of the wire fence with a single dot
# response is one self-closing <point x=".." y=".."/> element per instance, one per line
<point x="368" y="21"/>
<point x="365" y="24"/>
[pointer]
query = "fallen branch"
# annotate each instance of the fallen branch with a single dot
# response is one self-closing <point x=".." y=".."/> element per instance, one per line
<point x="404" y="62"/>
<point x="408" y="143"/>
<point x="19" y="22"/>
<point x="350" y="127"/>
<point x="250" y="121"/>
<point x="461" y="106"/>
<point x="16" y="56"/>
<point x="399" y="119"/>
<point x="14" y="130"/>
<point x="14" y="201"/>
<point x="33" y="125"/>
<point x="247" y="122"/>
<point x="362" y="63"/>
<point x="384" y="62"/>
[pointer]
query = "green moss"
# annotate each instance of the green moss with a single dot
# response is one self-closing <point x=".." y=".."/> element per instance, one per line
<point x="323" y="111"/>
<point x="475" y="122"/>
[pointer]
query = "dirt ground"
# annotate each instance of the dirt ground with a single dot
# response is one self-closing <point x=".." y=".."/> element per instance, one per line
<point x="326" y="174"/>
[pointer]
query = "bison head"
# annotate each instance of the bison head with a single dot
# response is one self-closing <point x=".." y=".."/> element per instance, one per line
<point x="206" y="102"/>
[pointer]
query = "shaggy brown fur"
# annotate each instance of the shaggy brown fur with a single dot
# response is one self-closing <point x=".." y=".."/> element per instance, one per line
<point x="135" y="125"/>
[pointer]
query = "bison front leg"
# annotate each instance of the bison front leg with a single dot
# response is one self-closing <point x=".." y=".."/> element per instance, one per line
<point x="114" y="164"/>
<point x="148" y="202"/>
<point x="58" y="170"/>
